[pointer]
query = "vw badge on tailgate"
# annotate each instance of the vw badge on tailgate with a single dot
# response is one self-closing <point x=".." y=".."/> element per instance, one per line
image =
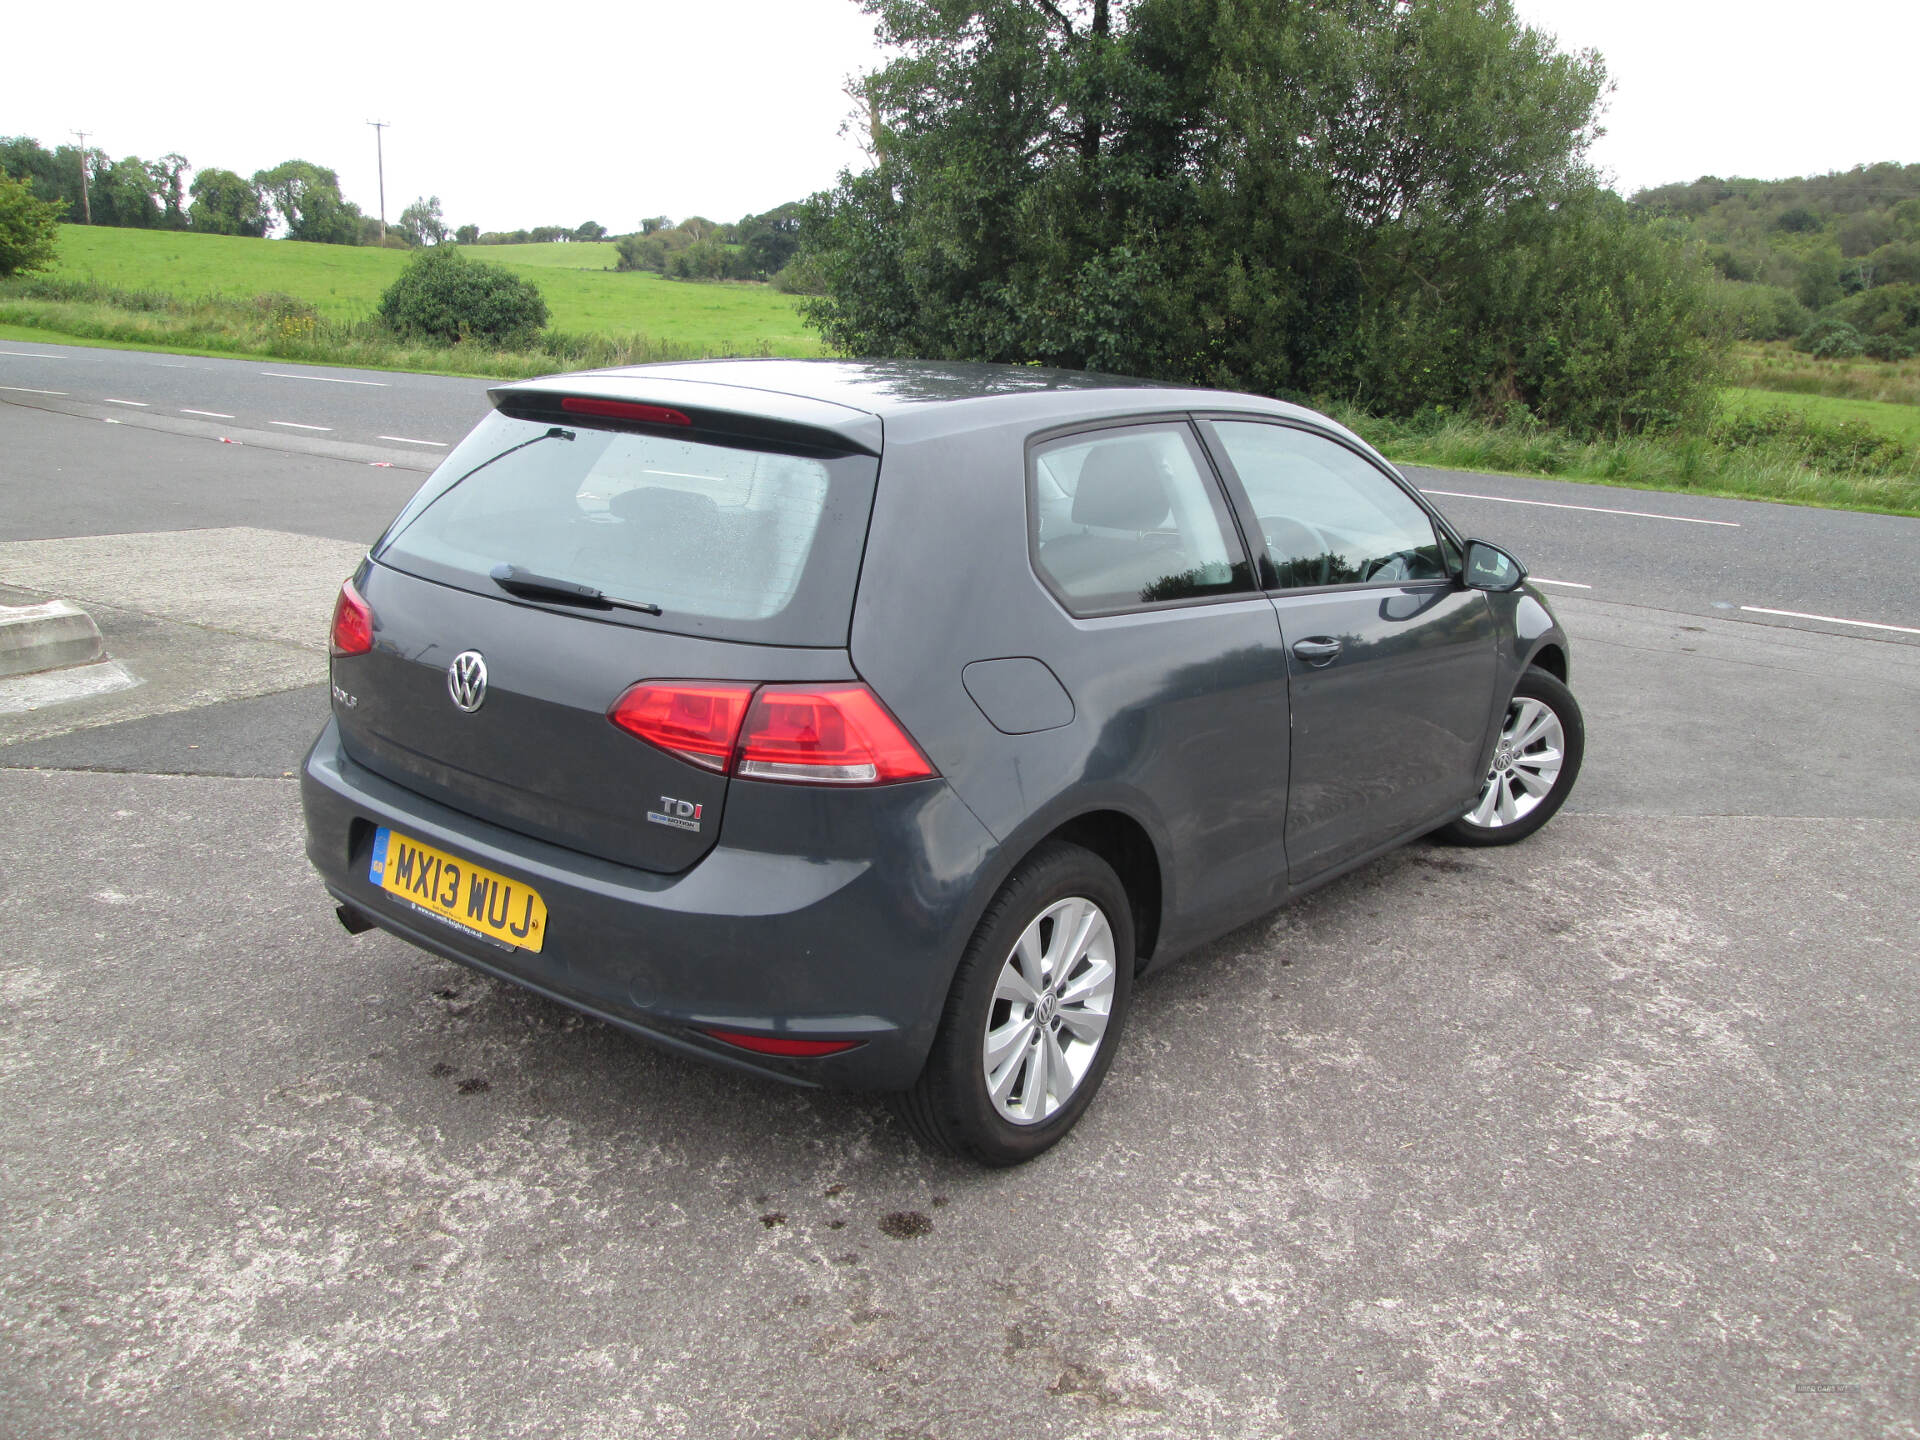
<point x="467" y="680"/>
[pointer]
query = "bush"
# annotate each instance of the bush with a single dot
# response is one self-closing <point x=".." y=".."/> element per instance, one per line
<point x="444" y="296"/>
<point x="1886" y="321"/>
<point x="1896" y="264"/>
<point x="800" y="276"/>
<point x="1759" y="312"/>
<point x="29" y="228"/>
<point x="1819" y="444"/>
<point x="641" y="252"/>
<point x="703" y="260"/>
<point x="1831" y="339"/>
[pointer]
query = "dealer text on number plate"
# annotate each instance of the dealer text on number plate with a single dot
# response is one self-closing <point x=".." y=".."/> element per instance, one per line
<point x="447" y="888"/>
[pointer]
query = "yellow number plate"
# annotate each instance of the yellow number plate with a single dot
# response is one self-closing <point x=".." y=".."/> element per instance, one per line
<point x="502" y="910"/>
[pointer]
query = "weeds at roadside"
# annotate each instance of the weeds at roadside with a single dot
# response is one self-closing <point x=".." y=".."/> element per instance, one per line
<point x="1775" y="454"/>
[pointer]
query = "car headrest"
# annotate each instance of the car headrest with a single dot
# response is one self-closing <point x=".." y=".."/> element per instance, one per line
<point x="656" y="507"/>
<point x="1120" y="488"/>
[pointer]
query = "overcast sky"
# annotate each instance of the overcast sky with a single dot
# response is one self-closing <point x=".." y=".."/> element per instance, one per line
<point x="612" y="112"/>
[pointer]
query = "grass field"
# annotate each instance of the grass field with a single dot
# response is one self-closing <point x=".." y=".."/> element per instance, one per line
<point x="574" y="255"/>
<point x="1902" y="422"/>
<point x="344" y="282"/>
<point x="1778" y="366"/>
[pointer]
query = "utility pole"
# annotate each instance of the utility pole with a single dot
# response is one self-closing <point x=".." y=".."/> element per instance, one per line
<point x="380" y="159"/>
<point x="86" y="205"/>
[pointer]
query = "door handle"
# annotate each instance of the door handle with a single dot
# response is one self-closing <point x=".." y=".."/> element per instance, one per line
<point x="1318" y="650"/>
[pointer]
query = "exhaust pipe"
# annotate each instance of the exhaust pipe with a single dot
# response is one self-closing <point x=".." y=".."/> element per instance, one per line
<point x="353" y="921"/>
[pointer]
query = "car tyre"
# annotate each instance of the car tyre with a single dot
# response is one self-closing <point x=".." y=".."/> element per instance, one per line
<point x="1035" y="1013"/>
<point x="1535" y="762"/>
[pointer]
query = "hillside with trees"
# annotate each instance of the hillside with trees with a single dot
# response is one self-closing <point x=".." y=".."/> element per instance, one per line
<point x="1831" y="262"/>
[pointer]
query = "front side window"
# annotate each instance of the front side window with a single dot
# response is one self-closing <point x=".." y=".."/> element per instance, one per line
<point x="1129" y="517"/>
<point x="1328" y="517"/>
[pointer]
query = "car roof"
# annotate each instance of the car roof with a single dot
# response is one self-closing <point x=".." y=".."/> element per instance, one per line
<point x="882" y="387"/>
<point x="847" y="396"/>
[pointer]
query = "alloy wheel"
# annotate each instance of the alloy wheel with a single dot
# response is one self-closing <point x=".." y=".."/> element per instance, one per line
<point x="1050" y="1009"/>
<point x="1526" y="765"/>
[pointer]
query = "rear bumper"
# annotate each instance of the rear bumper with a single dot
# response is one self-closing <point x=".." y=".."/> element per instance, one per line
<point x="859" y="944"/>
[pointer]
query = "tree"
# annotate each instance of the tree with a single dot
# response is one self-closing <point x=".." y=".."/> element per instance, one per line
<point x="421" y="221"/>
<point x="306" y="198"/>
<point x="702" y="260"/>
<point x="29" y="228"/>
<point x="1820" y="279"/>
<point x="590" y="230"/>
<point x="226" y="204"/>
<point x="1294" y="198"/>
<point x="769" y="241"/>
<point x="444" y="296"/>
<point x="54" y="174"/>
<point x="641" y="252"/>
<point x="168" y="175"/>
<point x="467" y="234"/>
<point x="124" y="194"/>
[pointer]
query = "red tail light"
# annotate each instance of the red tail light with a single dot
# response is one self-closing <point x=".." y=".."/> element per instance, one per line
<point x="695" y="720"/>
<point x="801" y="734"/>
<point x="623" y="410"/>
<point x="781" y="1045"/>
<point x="826" y="735"/>
<point x="352" y="623"/>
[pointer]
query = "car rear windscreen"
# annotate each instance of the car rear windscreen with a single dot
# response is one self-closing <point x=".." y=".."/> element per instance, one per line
<point x="728" y="539"/>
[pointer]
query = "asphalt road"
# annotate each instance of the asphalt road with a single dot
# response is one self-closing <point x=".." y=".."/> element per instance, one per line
<point x="1608" y="1134"/>
<point x="405" y="415"/>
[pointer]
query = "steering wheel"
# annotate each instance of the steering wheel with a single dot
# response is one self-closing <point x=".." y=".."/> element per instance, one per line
<point x="1405" y="565"/>
<point x="1397" y="566"/>
<point x="1305" y="550"/>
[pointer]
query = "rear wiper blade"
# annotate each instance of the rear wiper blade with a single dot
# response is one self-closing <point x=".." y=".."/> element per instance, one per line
<point x="529" y="586"/>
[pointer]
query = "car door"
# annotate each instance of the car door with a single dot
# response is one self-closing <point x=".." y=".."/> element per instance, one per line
<point x="1391" y="662"/>
<point x="1174" y="660"/>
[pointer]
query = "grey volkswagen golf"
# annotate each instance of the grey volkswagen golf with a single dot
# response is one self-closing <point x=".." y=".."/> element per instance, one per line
<point x="878" y="724"/>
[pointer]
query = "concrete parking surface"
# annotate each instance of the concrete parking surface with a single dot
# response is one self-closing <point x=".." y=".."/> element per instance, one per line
<point x="1611" y="1133"/>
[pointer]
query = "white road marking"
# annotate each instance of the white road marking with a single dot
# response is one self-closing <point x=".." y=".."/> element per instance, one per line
<point x="56" y="687"/>
<point x="296" y="425"/>
<point x="210" y="414"/>
<point x="24" y="390"/>
<point x="404" y="440"/>
<point x="141" y="403"/>
<point x="32" y="355"/>
<point x="325" y="379"/>
<point x="1832" y="619"/>
<point x="1596" y="509"/>
<point x="1570" y="584"/>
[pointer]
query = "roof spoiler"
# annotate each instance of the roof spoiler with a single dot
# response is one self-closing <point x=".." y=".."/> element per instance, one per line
<point x="712" y="413"/>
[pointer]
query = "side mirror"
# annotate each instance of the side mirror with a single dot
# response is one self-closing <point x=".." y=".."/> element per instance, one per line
<point x="1491" y="568"/>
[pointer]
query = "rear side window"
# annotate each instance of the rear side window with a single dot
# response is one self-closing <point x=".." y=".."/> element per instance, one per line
<point x="730" y="540"/>
<point x="1129" y="517"/>
<point x="1328" y="517"/>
